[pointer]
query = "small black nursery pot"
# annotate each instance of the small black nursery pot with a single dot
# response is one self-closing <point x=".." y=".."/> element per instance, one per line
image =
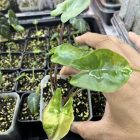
<point x="10" y="61"/>
<point x="29" y="82"/>
<point x="29" y="124"/>
<point x="8" y="82"/>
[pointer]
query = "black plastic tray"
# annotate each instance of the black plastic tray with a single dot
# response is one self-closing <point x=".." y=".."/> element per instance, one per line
<point x="107" y="4"/>
<point x="105" y="10"/>
<point x="120" y="28"/>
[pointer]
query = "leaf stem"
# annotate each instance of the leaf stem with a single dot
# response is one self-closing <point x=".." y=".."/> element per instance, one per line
<point x="71" y="93"/>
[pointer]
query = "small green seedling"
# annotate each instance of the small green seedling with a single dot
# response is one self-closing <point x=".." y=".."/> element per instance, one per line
<point x="57" y="119"/>
<point x="33" y="100"/>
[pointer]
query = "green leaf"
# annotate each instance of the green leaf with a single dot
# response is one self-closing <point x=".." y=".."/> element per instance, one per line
<point x="102" y="70"/>
<point x="13" y="21"/>
<point x="70" y="9"/>
<point x="66" y="118"/>
<point x="79" y="24"/>
<point x="51" y="114"/>
<point x="65" y="54"/>
<point x="4" y="28"/>
<point x="56" y="118"/>
<point x="33" y="102"/>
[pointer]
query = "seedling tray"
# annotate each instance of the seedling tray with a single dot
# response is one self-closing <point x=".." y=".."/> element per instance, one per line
<point x="104" y="10"/>
<point x="109" y="5"/>
<point x="50" y="23"/>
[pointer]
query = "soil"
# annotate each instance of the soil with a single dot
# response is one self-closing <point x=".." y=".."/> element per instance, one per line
<point x="20" y="36"/>
<point x="36" y="45"/>
<point x="57" y="29"/>
<point x="98" y="104"/>
<point x="26" y="114"/>
<point x="25" y="85"/>
<point x="2" y="39"/>
<point x="12" y="46"/>
<point x="7" y="106"/>
<point x="4" y="4"/>
<point x="8" y="81"/>
<point x="55" y="42"/>
<point x="38" y="60"/>
<point x="15" y="62"/>
<point x="43" y="32"/>
<point x="81" y="105"/>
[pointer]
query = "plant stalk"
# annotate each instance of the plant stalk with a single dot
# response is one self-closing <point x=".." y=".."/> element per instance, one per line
<point x="56" y="66"/>
<point x="71" y="93"/>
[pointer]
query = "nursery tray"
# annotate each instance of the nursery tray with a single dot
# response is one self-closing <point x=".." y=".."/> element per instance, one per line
<point x="120" y="28"/>
<point x="108" y="5"/>
<point x="49" y="22"/>
<point x="102" y="9"/>
<point x="93" y="21"/>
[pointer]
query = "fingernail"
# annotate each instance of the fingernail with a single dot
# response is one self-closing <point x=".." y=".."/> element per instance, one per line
<point x="77" y="39"/>
<point x="73" y="128"/>
<point x="132" y="34"/>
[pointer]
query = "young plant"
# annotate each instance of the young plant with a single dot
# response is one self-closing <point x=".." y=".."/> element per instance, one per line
<point x="5" y="24"/>
<point x="33" y="100"/>
<point x="38" y="33"/>
<point x="57" y="119"/>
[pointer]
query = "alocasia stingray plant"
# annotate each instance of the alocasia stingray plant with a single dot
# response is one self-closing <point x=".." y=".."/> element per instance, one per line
<point x="57" y="118"/>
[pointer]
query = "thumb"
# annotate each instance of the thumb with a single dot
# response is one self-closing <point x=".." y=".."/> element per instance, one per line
<point x="135" y="39"/>
<point x="89" y="130"/>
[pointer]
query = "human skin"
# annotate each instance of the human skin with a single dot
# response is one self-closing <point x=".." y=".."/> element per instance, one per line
<point x="121" y="120"/>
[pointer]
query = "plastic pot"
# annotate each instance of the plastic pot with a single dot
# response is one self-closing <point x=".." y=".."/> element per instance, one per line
<point x="34" y="45"/>
<point x="12" y="132"/>
<point x="15" y="63"/>
<point x="17" y="46"/>
<point x="23" y="81"/>
<point x="30" y="58"/>
<point x="44" y="82"/>
<point x="105" y="10"/>
<point x="30" y="126"/>
<point x="8" y="76"/>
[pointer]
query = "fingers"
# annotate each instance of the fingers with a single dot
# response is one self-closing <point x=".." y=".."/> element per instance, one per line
<point x="135" y="39"/>
<point x="68" y="71"/>
<point x="89" y="130"/>
<point x="91" y="39"/>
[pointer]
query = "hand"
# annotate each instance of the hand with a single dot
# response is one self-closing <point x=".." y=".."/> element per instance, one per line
<point x="121" y="120"/>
